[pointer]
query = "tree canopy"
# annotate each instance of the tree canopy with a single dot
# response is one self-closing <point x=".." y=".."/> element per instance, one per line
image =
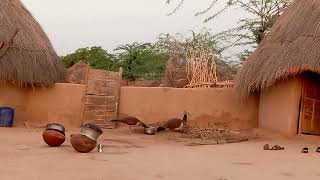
<point x="97" y="57"/>
<point x="141" y="60"/>
<point x="138" y="60"/>
<point x="251" y="28"/>
<point x="148" y="60"/>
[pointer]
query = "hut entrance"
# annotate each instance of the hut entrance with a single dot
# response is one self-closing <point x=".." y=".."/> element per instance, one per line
<point x="102" y="97"/>
<point x="310" y="105"/>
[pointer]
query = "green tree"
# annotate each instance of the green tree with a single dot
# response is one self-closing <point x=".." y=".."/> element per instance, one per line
<point x="97" y="57"/>
<point x="203" y="40"/>
<point x="179" y="44"/>
<point x="141" y="60"/>
<point x="251" y="29"/>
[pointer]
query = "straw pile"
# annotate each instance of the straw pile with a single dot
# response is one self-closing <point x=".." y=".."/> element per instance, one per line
<point x="216" y="134"/>
<point x="207" y="136"/>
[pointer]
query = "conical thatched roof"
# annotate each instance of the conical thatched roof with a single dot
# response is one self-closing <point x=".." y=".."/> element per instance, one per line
<point x="26" y="54"/>
<point x="291" y="48"/>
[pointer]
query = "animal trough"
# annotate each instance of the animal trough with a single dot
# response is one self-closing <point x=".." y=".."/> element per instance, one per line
<point x="150" y="130"/>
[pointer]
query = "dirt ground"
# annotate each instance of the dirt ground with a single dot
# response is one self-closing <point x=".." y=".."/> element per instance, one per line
<point x="24" y="156"/>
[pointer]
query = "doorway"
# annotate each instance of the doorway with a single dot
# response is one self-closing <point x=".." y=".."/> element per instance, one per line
<point x="310" y="105"/>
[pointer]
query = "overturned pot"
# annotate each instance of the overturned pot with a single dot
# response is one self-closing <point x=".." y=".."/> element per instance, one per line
<point x="56" y="127"/>
<point x="90" y="130"/>
<point x="82" y="143"/>
<point x="86" y="140"/>
<point x="53" y="138"/>
<point x="54" y="134"/>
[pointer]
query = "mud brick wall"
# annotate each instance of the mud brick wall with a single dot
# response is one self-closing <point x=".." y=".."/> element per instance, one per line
<point x="209" y="107"/>
<point x="102" y="96"/>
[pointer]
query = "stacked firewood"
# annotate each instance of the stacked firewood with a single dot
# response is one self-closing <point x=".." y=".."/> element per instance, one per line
<point x="201" y="69"/>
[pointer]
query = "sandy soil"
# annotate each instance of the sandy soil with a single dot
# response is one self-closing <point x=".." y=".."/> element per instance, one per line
<point x="24" y="156"/>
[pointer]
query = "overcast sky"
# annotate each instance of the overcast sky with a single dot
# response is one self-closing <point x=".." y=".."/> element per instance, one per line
<point x="71" y="24"/>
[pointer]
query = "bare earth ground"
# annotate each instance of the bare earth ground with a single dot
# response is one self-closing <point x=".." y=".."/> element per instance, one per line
<point x="24" y="156"/>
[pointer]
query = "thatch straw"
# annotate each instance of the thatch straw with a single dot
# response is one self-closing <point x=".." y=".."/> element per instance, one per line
<point x="292" y="48"/>
<point x="26" y="54"/>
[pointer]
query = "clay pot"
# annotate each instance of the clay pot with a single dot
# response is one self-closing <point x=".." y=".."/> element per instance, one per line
<point x="82" y="143"/>
<point x="53" y="138"/>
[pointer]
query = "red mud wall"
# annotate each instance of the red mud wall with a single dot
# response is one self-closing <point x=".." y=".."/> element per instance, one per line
<point x="14" y="97"/>
<point x="279" y="107"/>
<point x="208" y="107"/>
<point x="62" y="104"/>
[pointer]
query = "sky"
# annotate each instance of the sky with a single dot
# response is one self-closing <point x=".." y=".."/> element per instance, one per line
<point x="73" y="24"/>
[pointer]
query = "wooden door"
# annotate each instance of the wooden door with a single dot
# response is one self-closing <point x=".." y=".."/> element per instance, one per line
<point x="102" y="97"/>
<point x="310" y="105"/>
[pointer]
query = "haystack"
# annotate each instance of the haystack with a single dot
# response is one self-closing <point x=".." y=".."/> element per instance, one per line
<point x="26" y="54"/>
<point x="175" y="74"/>
<point x="293" y="47"/>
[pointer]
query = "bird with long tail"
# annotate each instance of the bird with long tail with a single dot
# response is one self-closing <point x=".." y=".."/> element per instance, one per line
<point x="131" y="121"/>
<point x="174" y="123"/>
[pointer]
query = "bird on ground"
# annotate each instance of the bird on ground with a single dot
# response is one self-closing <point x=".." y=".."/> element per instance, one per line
<point x="174" y="123"/>
<point x="131" y="121"/>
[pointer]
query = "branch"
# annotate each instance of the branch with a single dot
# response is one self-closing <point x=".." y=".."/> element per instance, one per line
<point x="176" y="8"/>
<point x="216" y="14"/>
<point x="208" y="9"/>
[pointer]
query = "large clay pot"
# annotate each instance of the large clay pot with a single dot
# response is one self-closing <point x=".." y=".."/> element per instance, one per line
<point x="53" y="137"/>
<point x="82" y="143"/>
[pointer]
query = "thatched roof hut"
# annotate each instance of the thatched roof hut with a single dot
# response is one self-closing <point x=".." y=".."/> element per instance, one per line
<point x="26" y="54"/>
<point x="292" y="48"/>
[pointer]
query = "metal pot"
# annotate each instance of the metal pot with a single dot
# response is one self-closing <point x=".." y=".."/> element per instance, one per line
<point x="150" y="130"/>
<point x="56" y="127"/>
<point x="91" y="131"/>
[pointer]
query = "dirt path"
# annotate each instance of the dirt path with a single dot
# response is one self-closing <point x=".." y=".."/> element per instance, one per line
<point x="24" y="156"/>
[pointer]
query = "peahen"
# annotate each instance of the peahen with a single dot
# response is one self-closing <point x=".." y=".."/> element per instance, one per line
<point x="131" y="121"/>
<point x="174" y="123"/>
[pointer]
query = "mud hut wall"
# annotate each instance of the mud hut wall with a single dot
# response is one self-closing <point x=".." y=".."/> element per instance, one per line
<point x="279" y="107"/>
<point x="62" y="103"/>
<point x="11" y="96"/>
<point x="208" y="107"/>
